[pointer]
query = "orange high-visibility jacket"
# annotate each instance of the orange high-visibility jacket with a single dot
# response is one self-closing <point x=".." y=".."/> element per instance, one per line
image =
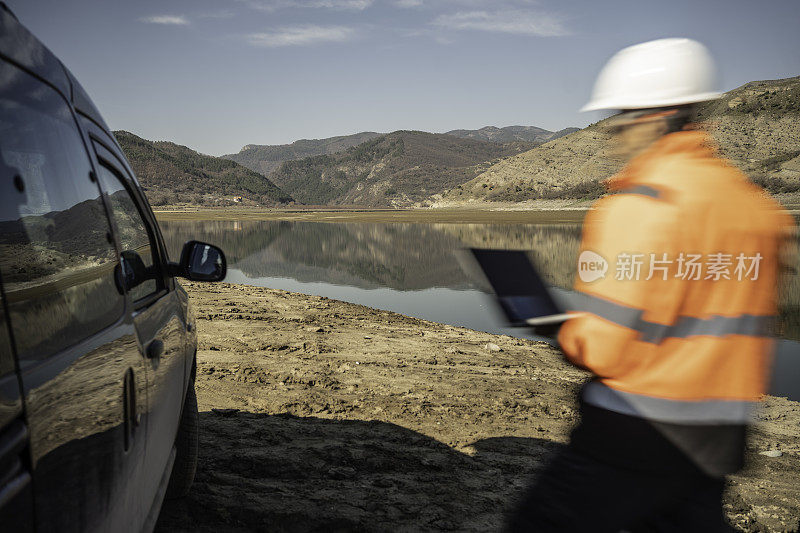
<point x="691" y="344"/>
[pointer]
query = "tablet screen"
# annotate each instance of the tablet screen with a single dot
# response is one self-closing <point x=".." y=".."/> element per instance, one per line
<point x="520" y="290"/>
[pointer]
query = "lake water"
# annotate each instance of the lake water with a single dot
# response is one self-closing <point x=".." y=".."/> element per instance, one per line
<point x="413" y="269"/>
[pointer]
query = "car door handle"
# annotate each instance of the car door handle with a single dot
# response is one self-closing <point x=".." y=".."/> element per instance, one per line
<point x="155" y="349"/>
<point x="130" y="419"/>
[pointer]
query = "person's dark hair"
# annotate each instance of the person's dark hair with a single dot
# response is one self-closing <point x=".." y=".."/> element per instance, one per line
<point x="677" y="117"/>
<point x="685" y="115"/>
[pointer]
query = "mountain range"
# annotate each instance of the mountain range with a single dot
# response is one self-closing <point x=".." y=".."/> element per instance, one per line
<point x="757" y="127"/>
<point x="512" y="134"/>
<point x="398" y="169"/>
<point x="264" y="158"/>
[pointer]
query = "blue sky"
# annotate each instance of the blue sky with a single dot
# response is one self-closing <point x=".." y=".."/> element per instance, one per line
<point x="218" y="74"/>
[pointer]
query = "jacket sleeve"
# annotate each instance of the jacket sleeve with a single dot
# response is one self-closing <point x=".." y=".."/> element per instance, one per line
<point x="624" y="229"/>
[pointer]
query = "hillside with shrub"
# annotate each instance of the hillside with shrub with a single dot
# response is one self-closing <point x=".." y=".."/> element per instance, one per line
<point x="173" y="174"/>
<point x="757" y="127"/>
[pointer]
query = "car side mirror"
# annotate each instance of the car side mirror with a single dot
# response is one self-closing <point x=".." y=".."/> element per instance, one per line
<point x="201" y="262"/>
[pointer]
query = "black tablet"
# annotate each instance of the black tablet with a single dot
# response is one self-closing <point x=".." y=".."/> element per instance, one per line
<point x="520" y="291"/>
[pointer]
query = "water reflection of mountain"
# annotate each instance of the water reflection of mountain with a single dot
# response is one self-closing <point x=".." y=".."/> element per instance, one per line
<point x="238" y="239"/>
<point x="398" y="256"/>
<point x="554" y="246"/>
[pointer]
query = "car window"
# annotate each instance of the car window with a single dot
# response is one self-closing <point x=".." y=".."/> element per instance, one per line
<point x="56" y="257"/>
<point x="140" y="269"/>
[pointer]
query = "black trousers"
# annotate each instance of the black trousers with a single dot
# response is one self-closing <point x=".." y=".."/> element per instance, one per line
<point x="643" y="484"/>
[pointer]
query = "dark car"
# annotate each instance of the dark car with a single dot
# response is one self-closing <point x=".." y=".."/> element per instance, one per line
<point x="98" y="414"/>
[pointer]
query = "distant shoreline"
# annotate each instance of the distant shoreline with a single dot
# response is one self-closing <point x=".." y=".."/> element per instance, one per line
<point x="530" y="212"/>
<point x="464" y="215"/>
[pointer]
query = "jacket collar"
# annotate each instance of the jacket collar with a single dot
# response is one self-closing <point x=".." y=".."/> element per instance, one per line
<point x="690" y="143"/>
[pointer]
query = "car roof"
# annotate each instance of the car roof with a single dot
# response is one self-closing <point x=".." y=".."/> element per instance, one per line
<point x="21" y="47"/>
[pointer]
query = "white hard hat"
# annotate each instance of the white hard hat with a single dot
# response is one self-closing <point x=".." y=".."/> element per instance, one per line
<point x="660" y="73"/>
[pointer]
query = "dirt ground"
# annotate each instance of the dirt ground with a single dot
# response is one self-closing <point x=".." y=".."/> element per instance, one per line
<point x="319" y="415"/>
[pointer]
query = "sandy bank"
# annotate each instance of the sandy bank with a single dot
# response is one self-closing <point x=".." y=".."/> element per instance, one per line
<point x="323" y="415"/>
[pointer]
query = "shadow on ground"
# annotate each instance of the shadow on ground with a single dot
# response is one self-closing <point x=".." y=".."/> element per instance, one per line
<point x="262" y="472"/>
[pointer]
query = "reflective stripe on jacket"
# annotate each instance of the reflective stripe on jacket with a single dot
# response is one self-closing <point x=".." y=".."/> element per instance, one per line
<point x="674" y="348"/>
